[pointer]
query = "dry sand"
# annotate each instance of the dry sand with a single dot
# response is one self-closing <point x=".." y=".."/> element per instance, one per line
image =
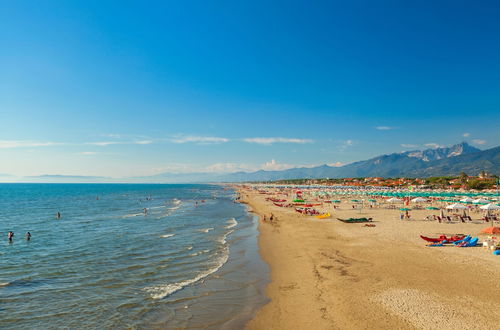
<point x="326" y="274"/>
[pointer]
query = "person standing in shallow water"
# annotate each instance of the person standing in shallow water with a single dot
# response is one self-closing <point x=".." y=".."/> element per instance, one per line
<point x="10" y="235"/>
<point x="58" y="215"/>
<point x="28" y="236"/>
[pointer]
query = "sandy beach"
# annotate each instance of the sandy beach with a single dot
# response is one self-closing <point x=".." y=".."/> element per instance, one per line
<point x="326" y="274"/>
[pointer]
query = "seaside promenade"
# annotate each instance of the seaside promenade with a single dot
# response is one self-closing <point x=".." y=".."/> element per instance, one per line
<point x="326" y="274"/>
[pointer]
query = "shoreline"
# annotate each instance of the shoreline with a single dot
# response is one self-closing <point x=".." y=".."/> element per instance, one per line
<point x="326" y="274"/>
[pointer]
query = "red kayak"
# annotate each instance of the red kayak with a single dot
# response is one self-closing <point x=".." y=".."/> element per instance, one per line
<point x="442" y="238"/>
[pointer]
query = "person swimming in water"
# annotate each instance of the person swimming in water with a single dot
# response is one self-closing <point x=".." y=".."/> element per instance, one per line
<point x="58" y="215"/>
<point x="28" y="236"/>
<point x="145" y="211"/>
<point x="10" y="235"/>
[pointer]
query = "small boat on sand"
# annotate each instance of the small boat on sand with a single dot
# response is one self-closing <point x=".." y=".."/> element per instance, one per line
<point x="323" y="216"/>
<point x="356" y="220"/>
<point x="442" y="238"/>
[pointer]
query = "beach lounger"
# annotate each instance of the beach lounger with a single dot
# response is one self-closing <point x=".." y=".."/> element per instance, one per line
<point x="471" y="243"/>
<point x="465" y="239"/>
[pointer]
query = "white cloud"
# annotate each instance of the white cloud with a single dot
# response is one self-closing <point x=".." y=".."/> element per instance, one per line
<point x="228" y="167"/>
<point x="275" y="166"/>
<point x="199" y="139"/>
<point x="112" y="135"/>
<point x="345" y="144"/>
<point x="478" y="141"/>
<point x="336" y="164"/>
<point x="271" y="140"/>
<point x="384" y="128"/>
<point x="271" y="165"/>
<point x="432" y="145"/>
<point x="143" y="142"/>
<point x="103" y="143"/>
<point x="404" y="145"/>
<point x="10" y="144"/>
<point x="87" y="153"/>
<point x="466" y="134"/>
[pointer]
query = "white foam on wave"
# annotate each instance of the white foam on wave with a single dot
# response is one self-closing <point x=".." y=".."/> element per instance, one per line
<point x="2" y="284"/>
<point x="132" y="215"/>
<point x="198" y="253"/>
<point x="167" y="235"/>
<point x="176" y="201"/>
<point x="157" y="207"/>
<point x="206" y="230"/>
<point x="162" y="291"/>
<point x="189" y="248"/>
<point x="222" y="240"/>
<point x="232" y="223"/>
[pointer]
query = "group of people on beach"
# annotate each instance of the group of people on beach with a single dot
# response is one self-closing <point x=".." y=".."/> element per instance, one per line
<point x="10" y="236"/>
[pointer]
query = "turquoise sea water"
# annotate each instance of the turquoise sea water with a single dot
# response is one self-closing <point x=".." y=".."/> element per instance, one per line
<point x="192" y="261"/>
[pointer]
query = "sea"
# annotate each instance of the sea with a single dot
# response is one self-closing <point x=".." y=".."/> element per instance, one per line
<point x="135" y="256"/>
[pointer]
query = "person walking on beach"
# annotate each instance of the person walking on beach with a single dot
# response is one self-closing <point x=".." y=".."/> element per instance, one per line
<point x="10" y="235"/>
<point x="28" y="236"/>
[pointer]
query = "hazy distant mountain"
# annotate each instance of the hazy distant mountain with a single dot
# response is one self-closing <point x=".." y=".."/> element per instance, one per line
<point x="418" y="163"/>
<point x="65" y="179"/>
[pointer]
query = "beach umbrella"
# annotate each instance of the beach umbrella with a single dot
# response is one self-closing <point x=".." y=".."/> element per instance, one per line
<point x="480" y="200"/>
<point x="491" y="230"/>
<point x="432" y="208"/>
<point x="394" y="200"/>
<point x="456" y="206"/>
<point x="372" y="200"/>
<point x="419" y="200"/>
<point x="466" y="200"/>
<point x="404" y="209"/>
<point x="490" y="206"/>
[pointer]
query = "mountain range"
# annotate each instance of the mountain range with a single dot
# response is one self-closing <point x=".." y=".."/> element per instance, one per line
<point x="440" y="161"/>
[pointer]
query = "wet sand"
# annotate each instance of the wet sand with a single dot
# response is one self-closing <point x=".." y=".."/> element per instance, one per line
<point x="326" y="274"/>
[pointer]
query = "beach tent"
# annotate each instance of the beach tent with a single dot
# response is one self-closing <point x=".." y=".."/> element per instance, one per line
<point x="419" y="200"/>
<point x="490" y="206"/>
<point x="456" y="206"/>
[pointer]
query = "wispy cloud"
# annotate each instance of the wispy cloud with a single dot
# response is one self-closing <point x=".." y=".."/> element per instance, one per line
<point x="143" y="142"/>
<point x="271" y="165"/>
<point x="272" y="140"/>
<point x="404" y="145"/>
<point x="103" y="143"/>
<point x="479" y="142"/>
<point x="199" y="139"/>
<point x="384" y="128"/>
<point x="345" y="144"/>
<point x="466" y="134"/>
<point x="87" y="153"/>
<point x="11" y="144"/>
<point x="432" y="145"/>
<point x="108" y="143"/>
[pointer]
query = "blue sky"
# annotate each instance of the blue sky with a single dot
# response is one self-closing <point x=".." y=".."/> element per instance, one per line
<point x="133" y="88"/>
